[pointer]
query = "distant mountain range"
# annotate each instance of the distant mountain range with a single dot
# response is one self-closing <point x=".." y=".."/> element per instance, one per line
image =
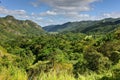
<point x="98" y="26"/>
<point x="11" y="28"/>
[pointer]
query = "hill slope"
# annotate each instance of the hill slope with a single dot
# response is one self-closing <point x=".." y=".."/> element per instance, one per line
<point x="11" y="27"/>
<point x="100" y="26"/>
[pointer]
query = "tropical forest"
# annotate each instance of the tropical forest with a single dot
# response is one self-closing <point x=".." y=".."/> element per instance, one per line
<point x="59" y="40"/>
<point x="27" y="52"/>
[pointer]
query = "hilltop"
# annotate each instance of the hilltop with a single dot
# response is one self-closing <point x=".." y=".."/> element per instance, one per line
<point x="12" y="28"/>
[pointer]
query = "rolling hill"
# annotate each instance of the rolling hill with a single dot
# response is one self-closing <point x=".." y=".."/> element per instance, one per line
<point x="99" y="26"/>
<point x="11" y="28"/>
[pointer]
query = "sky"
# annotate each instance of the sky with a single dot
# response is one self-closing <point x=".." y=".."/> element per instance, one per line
<point x="51" y="12"/>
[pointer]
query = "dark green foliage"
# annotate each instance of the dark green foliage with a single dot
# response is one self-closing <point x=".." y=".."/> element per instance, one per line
<point x="35" y="51"/>
<point x="80" y="67"/>
<point x="97" y="62"/>
<point x="116" y="74"/>
<point x="115" y="57"/>
<point x="89" y="27"/>
<point x="70" y="26"/>
<point x="107" y="78"/>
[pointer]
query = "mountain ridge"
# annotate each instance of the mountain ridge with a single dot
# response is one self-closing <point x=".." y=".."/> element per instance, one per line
<point x="11" y="27"/>
<point x="86" y="26"/>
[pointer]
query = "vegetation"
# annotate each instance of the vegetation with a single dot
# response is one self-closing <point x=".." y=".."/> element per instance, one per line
<point x="89" y="27"/>
<point x="11" y="28"/>
<point x="63" y="56"/>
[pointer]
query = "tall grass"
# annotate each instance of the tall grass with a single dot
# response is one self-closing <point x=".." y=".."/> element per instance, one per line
<point x="12" y="73"/>
<point x="65" y="76"/>
<point x="55" y="76"/>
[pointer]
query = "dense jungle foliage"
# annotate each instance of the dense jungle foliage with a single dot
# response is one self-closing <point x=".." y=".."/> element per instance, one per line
<point x="64" y="56"/>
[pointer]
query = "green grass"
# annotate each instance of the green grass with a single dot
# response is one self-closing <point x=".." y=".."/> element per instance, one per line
<point x="66" y="76"/>
<point x="12" y="73"/>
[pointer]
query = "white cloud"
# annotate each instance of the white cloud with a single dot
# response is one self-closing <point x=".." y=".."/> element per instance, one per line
<point x="67" y="5"/>
<point x="62" y="11"/>
<point x="113" y="14"/>
<point x="3" y="10"/>
<point x="21" y="14"/>
<point x="51" y="13"/>
<point x="48" y="13"/>
<point x="76" y="15"/>
<point x="69" y="9"/>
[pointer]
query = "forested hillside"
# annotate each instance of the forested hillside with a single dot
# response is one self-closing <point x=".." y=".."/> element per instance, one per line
<point x="28" y="53"/>
<point x="13" y="28"/>
<point x="98" y="26"/>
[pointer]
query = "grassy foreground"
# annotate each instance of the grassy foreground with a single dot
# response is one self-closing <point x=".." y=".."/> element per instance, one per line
<point x="13" y="73"/>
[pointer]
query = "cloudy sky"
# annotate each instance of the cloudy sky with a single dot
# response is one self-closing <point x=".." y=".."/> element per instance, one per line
<point x="49" y="12"/>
